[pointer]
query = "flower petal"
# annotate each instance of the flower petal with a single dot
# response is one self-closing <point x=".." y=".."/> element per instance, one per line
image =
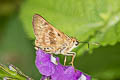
<point x="42" y="56"/>
<point x="43" y="63"/>
<point x="50" y="66"/>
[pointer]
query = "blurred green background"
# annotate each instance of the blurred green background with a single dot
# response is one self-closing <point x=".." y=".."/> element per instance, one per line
<point x="87" y="20"/>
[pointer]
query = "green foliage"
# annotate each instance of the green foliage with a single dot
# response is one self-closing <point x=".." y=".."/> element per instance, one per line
<point x="87" y="20"/>
<point x="16" y="48"/>
<point x="90" y="20"/>
<point x="12" y="73"/>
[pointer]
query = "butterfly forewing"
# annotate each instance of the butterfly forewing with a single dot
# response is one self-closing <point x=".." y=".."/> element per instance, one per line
<point x="47" y="37"/>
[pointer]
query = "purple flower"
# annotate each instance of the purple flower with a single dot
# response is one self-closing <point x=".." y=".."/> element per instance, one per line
<point x="44" y="64"/>
<point x="51" y="69"/>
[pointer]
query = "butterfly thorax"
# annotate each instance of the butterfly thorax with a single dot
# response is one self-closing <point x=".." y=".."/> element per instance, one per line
<point x="67" y="46"/>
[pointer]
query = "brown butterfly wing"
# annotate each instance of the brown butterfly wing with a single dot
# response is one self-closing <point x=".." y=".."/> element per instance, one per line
<point x="47" y="37"/>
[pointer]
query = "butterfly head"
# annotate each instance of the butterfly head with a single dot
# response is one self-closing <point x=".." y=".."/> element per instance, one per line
<point x="75" y="42"/>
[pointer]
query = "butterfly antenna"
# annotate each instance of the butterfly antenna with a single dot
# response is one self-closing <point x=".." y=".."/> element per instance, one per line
<point x="90" y="43"/>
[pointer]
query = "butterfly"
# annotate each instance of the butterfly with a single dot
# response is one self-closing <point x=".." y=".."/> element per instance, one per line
<point x="51" y="40"/>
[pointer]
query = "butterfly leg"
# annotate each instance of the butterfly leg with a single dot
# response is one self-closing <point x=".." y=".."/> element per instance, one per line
<point x="73" y="54"/>
<point x="73" y="57"/>
<point x="65" y="59"/>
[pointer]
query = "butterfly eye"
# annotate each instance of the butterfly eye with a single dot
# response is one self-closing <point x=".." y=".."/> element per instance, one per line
<point x="76" y="43"/>
<point x="48" y="48"/>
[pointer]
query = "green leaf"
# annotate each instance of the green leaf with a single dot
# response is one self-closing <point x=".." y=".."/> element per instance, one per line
<point x="12" y="73"/>
<point x="90" y="20"/>
<point x="73" y="19"/>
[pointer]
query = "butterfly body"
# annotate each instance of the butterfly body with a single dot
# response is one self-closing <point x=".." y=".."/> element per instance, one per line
<point x="51" y="40"/>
